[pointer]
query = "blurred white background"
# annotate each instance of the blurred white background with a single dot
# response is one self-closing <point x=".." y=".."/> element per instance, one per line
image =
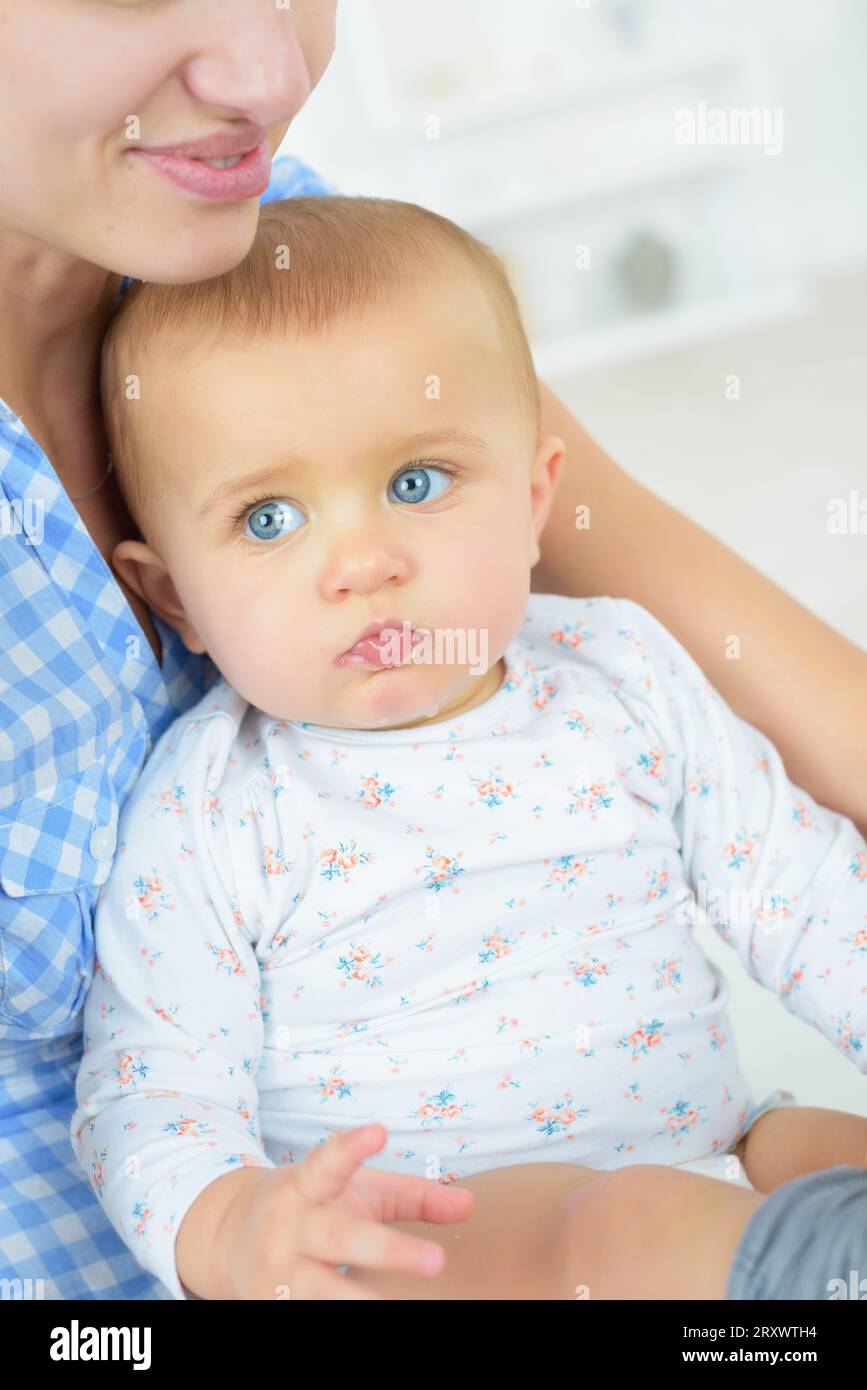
<point x="657" y="263"/>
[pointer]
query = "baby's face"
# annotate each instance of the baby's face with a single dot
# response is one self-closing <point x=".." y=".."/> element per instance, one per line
<point x="313" y="489"/>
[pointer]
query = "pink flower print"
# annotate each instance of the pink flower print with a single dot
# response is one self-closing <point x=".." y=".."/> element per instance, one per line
<point x="541" y="690"/>
<point x="577" y="721"/>
<point x="493" y="790"/>
<point x="152" y="896"/>
<point x="791" y="979"/>
<point x="226" y="958"/>
<point x="802" y="817"/>
<point x="441" y="869"/>
<point x="668" y="974"/>
<point x="512" y="680"/>
<point x="717" y="1037"/>
<point x="171" y="802"/>
<point x="644" y="1038"/>
<point x="274" y="864"/>
<point x="495" y="946"/>
<point x="555" y="1119"/>
<point x="658" y="885"/>
<point x="186" y="1125"/>
<point x="532" y="1047"/>
<point x="629" y="848"/>
<point x="211" y="807"/>
<point x="466" y="992"/>
<point x="858" y="866"/>
<point x="591" y="800"/>
<point x="142" y="1214"/>
<point x="97" y="1173"/>
<point x="281" y="778"/>
<point x="857" y="942"/>
<point x="167" y="1015"/>
<point x="740" y="850"/>
<point x="629" y="636"/>
<point x="439" y="1109"/>
<point x="571" y="635"/>
<point x="652" y="765"/>
<point x="129" y="1067"/>
<point x="339" y="862"/>
<point x="506" y="1081"/>
<point x="334" y="1086"/>
<point x="699" y="783"/>
<point x="374" y="793"/>
<point x="360" y="964"/>
<point x="590" y="970"/>
<point x="775" y="909"/>
<point x="849" y="1041"/>
<point x="680" y="1120"/>
<point x="568" y="870"/>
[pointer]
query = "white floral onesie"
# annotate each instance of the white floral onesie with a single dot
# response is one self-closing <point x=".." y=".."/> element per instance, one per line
<point x="478" y="934"/>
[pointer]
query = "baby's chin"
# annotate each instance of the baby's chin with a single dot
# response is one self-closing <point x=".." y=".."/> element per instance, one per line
<point x="390" y="698"/>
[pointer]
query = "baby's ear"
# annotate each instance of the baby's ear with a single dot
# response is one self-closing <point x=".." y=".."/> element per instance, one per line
<point x="144" y="572"/>
<point x="543" y="484"/>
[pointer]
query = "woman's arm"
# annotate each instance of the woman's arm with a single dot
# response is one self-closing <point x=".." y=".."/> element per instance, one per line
<point x="796" y="679"/>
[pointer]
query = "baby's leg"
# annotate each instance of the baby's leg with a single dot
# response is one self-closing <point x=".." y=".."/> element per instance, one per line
<point x="515" y="1244"/>
<point x="651" y="1231"/>
<point x="790" y="1142"/>
<point x="559" y="1231"/>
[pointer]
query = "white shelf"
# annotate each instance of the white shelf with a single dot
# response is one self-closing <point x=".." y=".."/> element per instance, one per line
<point x="685" y="162"/>
<point x="666" y="331"/>
<point x="462" y="113"/>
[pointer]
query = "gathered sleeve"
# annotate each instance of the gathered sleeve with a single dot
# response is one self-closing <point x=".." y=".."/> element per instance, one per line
<point x="166" y="1092"/>
<point x="782" y="879"/>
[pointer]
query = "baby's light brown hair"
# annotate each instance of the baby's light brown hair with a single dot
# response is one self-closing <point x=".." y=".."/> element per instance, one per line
<point x="315" y="260"/>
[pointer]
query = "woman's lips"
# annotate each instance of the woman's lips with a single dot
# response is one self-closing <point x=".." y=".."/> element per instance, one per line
<point x="246" y="179"/>
<point x="389" y="646"/>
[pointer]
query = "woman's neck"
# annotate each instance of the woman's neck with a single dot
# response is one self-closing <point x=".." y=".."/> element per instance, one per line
<point x="54" y="309"/>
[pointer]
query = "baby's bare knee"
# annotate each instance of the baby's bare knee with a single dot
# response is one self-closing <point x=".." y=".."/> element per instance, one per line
<point x="613" y="1227"/>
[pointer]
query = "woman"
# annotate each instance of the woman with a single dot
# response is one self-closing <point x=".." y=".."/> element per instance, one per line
<point x="90" y="94"/>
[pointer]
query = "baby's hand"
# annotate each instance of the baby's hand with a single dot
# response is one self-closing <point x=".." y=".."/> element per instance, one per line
<point x="286" y="1229"/>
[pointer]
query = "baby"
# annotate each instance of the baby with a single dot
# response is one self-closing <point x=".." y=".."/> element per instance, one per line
<point x="421" y="868"/>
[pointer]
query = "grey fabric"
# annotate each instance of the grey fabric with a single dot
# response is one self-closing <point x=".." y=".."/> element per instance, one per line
<point x="807" y="1240"/>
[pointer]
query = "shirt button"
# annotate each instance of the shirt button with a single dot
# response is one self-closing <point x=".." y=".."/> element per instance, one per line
<point x="102" y="842"/>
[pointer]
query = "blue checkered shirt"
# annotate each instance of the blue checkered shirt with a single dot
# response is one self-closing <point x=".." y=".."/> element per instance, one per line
<point x="82" y="700"/>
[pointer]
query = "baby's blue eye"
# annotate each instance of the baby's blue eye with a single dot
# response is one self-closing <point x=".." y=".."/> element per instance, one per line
<point x="419" y="484"/>
<point x="273" y="519"/>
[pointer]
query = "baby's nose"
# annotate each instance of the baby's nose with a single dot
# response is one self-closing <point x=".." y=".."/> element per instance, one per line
<point x="364" y="568"/>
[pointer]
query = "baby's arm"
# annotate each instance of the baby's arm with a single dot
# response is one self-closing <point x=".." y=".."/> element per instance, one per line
<point x="167" y="1100"/>
<point x="782" y="879"/>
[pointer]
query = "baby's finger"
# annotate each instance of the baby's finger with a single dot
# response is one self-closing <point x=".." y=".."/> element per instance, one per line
<point x="313" y="1281"/>
<point x="401" y="1197"/>
<point x="339" y="1237"/>
<point x="323" y="1173"/>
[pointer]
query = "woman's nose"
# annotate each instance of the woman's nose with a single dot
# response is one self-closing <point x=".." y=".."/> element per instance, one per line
<point x="254" y="64"/>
